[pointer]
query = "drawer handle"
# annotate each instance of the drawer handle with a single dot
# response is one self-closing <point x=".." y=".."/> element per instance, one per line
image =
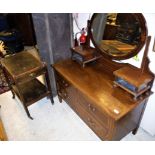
<point x="66" y="84"/>
<point x="91" y="108"/>
<point x="91" y="122"/>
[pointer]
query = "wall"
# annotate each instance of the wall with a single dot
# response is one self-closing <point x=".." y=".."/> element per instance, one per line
<point x="148" y="121"/>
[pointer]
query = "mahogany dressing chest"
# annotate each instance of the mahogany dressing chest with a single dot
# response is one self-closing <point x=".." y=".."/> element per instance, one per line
<point x="109" y="110"/>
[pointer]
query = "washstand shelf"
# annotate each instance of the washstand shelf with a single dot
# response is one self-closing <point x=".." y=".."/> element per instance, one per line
<point x="21" y="71"/>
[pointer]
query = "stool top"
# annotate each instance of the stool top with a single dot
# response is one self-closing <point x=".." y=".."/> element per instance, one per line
<point x="21" y="63"/>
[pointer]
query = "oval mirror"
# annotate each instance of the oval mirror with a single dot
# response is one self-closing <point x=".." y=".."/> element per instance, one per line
<point x="118" y="35"/>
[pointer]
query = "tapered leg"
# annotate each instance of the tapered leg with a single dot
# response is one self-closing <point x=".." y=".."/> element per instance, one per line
<point x="13" y="94"/>
<point x="51" y="98"/>
<point x="60" y="99"/>
<point x="27" y="112"/>
<point x="135" y="131"/>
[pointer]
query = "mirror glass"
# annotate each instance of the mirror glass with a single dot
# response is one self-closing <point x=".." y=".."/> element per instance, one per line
<point x="119" y="35"/>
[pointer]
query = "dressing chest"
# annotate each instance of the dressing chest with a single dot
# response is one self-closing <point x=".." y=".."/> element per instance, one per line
<point x="111" y="112"/>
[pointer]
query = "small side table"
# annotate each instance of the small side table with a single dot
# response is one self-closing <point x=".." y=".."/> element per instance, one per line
<point x="21" y="71"/>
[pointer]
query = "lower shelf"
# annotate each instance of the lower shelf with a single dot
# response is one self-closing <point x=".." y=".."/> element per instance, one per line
<point x="31" y="91"/>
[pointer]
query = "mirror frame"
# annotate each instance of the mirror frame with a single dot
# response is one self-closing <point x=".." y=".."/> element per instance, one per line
<point x="144" y="32"/>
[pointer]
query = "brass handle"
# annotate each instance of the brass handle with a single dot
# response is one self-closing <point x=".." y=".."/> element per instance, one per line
<point x="91" y="122"/>
<point x="66" y="84"/>
<point x="91" y="108"/>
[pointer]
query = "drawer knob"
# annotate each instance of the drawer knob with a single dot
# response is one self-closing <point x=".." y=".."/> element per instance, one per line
<point x="91" y="122"/>
<point x="93" y="109"/>
<point x="66" y="84"/>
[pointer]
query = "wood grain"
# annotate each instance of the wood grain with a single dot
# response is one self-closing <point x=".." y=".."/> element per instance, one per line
<point x="110" y="112"/>
<point x="97" y="85"/>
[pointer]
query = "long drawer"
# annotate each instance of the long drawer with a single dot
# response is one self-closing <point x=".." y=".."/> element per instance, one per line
<point x="93" y="110"/>
<point x="97" y="121"/>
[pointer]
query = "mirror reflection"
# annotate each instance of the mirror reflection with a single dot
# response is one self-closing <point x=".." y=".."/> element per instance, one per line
<point x="116" y="34"/>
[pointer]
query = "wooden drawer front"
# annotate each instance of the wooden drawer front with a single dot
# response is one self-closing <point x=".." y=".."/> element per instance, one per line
<point x="61" y="86"/>
<point x="73" y="100"/>
<point x="62" y="82"/>
<point x="92" y="122"/>
<point x="89" y="106"/>
<point x="30" y="76"/>
<point x="78" y="103"/>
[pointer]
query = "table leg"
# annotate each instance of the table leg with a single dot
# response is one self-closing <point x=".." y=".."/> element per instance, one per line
<point x="27" y="112"/>
<point x="13" y="94"/>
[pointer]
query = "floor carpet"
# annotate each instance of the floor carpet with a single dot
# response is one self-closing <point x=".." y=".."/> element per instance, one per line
<point x="51" y="122"/>
<point x="3" y="84"/>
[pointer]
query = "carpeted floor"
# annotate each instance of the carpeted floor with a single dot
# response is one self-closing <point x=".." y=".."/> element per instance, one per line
<point x="3" y="84"/>
<point x="51" y="122"/>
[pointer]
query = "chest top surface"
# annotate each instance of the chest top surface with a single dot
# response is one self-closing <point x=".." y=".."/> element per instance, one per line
<point x="97" y="85"/>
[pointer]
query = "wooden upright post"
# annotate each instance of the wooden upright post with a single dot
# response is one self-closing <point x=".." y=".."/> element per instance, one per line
<point x="145" y="60"/>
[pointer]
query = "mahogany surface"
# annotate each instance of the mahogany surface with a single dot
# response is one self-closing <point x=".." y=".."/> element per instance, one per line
<point x="98" y="86"/>
<point x="87" y="52"/>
